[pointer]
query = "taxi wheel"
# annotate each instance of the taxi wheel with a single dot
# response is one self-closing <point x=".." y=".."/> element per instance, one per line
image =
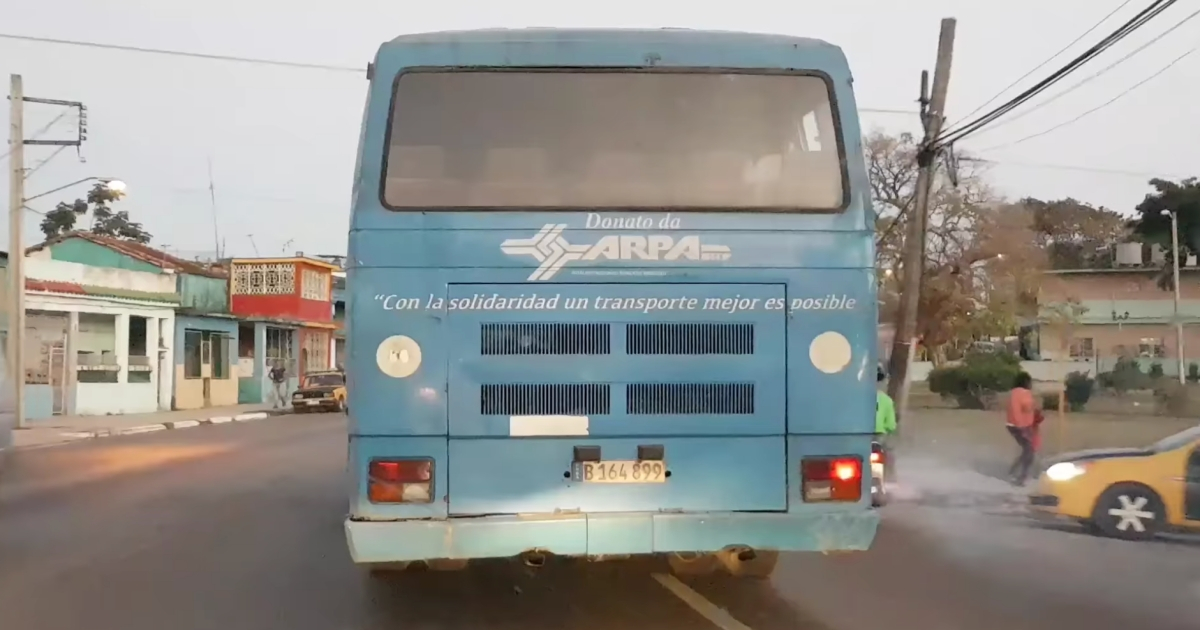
<point x="1129" y="511"/>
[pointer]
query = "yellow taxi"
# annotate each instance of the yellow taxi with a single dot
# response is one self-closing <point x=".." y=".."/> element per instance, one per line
<point x="1130" y="493"/>
<point x="321" y="391"/>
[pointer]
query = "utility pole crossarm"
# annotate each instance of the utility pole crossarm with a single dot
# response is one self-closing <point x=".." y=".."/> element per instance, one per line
<point x="933" y="116"/>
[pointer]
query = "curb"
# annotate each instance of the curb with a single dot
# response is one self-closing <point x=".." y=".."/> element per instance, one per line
<point x="72" y="437"/>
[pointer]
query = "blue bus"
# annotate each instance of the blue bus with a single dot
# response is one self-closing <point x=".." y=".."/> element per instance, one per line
<point x="611" y="293"/>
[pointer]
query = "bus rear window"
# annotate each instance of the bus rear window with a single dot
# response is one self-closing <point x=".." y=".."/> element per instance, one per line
<point x="607" y="139"/>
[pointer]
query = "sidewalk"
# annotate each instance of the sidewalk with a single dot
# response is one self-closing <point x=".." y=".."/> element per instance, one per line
<point x="65" y="429"/>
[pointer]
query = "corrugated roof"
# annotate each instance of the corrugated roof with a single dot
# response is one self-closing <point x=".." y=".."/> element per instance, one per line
<point x="141" y="252"/>
<point x="71" y="288"/>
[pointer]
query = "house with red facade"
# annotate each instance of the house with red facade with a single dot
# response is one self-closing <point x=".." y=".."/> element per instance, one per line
<point x="286" y="308"/>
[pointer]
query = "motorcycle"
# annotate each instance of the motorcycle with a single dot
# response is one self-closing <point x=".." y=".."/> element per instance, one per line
<point x="878" y="490"/>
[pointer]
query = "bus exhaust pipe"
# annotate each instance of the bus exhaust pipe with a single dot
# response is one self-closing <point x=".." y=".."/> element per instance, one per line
<point x="534" y="559"/>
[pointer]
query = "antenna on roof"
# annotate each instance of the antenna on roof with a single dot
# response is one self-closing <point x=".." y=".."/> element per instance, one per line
<point x="212" y="198"/>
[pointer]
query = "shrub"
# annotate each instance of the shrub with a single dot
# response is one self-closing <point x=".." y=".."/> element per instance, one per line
<point x="1193" y="374"/>
<point x="975" y="382"/>
<point x="1156" y="370"/>
<point x="1079" y="390"/>
<point x="1125" y="376"/>
<point x="1172" y="398"/>
<point x="1050" y="402"/>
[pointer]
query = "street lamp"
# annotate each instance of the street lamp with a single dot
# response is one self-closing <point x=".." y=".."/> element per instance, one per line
<point x="16" y="279"/>
<point x="1175" y="270"/>
<point x="110" y="183"/>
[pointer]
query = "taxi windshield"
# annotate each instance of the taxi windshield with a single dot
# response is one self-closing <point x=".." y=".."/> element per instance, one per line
<point x="1178" y="440"/>
<point x="323" y="380"/>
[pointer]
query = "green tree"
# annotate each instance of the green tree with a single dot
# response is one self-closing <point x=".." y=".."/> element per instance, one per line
<point x="106" y="221"/>
<point x="1074" y="234"/>
<point x="1153" y="226"/>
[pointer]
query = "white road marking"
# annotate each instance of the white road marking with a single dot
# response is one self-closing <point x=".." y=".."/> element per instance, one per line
<point x="710" y="611"/>
<point x="146" y="428"/>
<point x="1131" y="513"/>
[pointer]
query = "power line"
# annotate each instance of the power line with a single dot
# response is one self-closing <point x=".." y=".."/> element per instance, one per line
<point x="180" y="53"/>
<point x="37" y="134"/>
<point x="1094" y="109"/>
<point x="1094" y="76"/>
<point x="1073" y="167"/>
<point x="1048" y="59"/>
<point x="1155" y="9"/>
<point x="279" y="62"/>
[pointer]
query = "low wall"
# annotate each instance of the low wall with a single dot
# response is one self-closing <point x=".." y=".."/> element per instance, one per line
<point x="1039" y="370"/>
<point x="98" y="399"/>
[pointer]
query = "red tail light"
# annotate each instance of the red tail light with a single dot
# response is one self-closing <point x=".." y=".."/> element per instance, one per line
<point x="876" y="457"/>
<point x="832" y="478"/>
<point x="400" y="481"/>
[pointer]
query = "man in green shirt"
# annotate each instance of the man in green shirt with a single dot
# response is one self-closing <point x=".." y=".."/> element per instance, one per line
<point x="885" y="410"/>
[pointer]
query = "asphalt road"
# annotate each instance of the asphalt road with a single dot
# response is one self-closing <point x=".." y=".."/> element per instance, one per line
<point x="236" y="527"/>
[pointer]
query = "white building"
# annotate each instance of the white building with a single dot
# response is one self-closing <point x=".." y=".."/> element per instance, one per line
<point x="98" y="340"/>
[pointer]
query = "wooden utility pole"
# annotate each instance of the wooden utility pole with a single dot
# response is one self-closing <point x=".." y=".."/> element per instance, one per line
<point x="933" y="106"/>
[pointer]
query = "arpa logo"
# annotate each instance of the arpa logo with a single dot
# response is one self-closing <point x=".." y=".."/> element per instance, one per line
<point x="553" y="252"/>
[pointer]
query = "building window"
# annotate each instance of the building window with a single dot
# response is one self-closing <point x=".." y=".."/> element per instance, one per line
<point x="193" y="361"/>
<point x="264" y="279"/>
<point x="316" y="344"/>
<point x="1152" y="347"/>
<point x="1083" y="348"/>
<point x="220" y="355"/>
<point x="280" y="348"/>
<point x="206" y="348"/>
<point x="314" y="285"/>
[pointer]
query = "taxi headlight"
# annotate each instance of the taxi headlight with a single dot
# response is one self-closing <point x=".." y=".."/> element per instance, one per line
<point x="1064" y="471"/>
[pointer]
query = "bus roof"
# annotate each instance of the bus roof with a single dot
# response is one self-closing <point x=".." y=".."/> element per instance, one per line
<point x="634" y="37"/>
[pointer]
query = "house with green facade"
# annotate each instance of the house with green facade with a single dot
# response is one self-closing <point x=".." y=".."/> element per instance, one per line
<point x="205" y="334"/>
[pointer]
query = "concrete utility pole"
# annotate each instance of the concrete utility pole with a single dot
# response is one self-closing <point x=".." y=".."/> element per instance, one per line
<point x="1175" y="275"/>
<point x="15" y="345"/>
<point x="933" y="107"/>
<point x="16" y="251"/>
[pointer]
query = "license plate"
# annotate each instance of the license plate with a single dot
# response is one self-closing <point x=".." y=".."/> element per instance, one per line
<point x="621" y="472"/>
<point x="314" y="402"/>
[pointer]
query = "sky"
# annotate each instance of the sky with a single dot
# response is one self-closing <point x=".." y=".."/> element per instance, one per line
<point x="281" y="141"/>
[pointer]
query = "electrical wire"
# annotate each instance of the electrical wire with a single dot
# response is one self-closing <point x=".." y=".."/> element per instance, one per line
<point x="40" y="132"/>
<point x="1073" y="167"/>
<point x="1048" y="60"/>
<point x="29" y="173"/>
<point x="1155" y="9"/>
<point x="1094" y="109"/>
<point x="180" y="53"/>
<point x="1145" y="15"/>
<point x="1096" y="75"/>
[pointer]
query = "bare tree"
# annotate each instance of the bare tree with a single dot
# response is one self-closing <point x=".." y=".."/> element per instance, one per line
<point x="981" y="260"/>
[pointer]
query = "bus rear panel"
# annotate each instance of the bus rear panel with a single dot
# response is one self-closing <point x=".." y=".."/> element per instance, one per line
<point x="611" y="293"/>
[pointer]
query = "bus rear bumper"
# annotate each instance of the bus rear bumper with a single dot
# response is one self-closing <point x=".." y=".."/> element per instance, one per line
<point x="606" y="534"/>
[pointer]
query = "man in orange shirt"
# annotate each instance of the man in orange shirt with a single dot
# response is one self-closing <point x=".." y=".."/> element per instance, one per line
<point x="1021" y="423"/>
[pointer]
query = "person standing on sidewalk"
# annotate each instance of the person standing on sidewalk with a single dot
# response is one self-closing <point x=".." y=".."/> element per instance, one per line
<point x="279" y="379"/>
<point x="1022" y="423"/>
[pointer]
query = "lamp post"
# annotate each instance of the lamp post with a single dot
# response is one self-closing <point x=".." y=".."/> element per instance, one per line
<point x="1175" y="271"/>
<point x="16" y="278"/>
